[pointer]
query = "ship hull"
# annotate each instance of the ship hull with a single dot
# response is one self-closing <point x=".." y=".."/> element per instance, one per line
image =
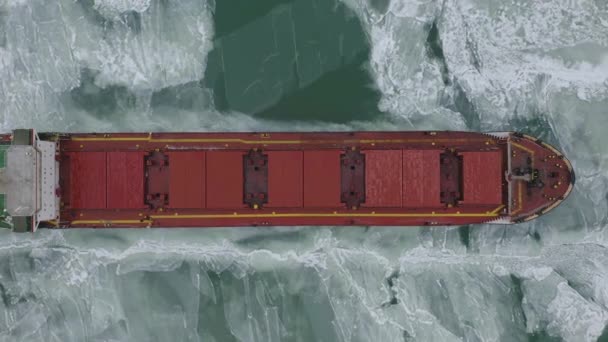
<point x="116" y="180"/>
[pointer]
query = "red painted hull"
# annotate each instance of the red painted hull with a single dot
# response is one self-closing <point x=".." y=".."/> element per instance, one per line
<point x="279" y="179"/>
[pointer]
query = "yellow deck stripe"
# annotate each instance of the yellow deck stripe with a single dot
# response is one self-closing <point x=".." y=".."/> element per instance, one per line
<point x="53" y="222"/>
<point x="519" y="198"/>
<point x="523" y="148"/>
<point x="320" y="215"/>
<point x="284" y="215"/>
<point x="269" y="142"/>
<point x="495" y="211"/>
<point x="111" y="222"/>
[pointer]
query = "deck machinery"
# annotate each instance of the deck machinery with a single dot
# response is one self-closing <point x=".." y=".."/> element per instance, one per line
<point x="144" y="180"/>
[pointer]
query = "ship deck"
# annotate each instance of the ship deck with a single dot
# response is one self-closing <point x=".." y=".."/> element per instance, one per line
<point x="334" y="178"/>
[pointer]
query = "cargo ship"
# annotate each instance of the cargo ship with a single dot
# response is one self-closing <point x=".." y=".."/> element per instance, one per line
<point x="147" y="180"/>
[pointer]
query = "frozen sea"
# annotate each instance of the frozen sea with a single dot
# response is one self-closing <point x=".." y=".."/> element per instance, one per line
<point x="540" y="67"/>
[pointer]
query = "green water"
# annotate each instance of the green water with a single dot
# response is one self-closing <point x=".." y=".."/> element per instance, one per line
<point x="291" y="60"/>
